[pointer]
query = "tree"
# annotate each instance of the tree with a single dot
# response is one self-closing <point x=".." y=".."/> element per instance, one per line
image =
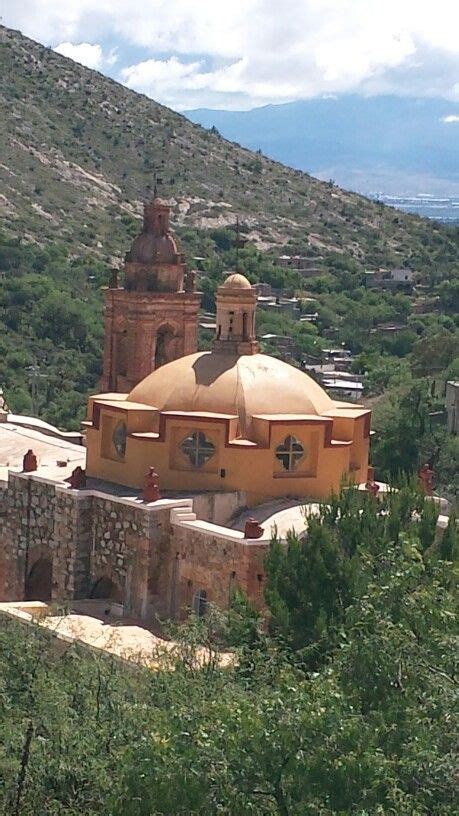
<point x="434" y="352"/>
<point x="309" y="585"/>
<point x="402" y="431"/>
<point x="449" y="544"/>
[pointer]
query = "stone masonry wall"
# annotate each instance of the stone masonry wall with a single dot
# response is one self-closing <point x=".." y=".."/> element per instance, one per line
<point x="71" y="539"/>
<point x="44" y="521"/>
<point x="131" y="547"/>
<point x="216" y="565"/>
<point x="26" y="531"/>
<point x="72" y="543"/>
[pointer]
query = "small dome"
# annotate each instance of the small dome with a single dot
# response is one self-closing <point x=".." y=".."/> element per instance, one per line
<point x="149" y="248"/>
<point x="236" y="281"/>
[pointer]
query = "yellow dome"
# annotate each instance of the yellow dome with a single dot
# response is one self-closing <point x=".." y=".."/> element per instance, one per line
<point x="225" y="384"/>
<point x="236" y="281"/>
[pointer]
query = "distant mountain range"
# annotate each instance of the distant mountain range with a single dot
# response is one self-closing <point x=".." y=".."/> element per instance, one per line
<point x="384" y="144"/>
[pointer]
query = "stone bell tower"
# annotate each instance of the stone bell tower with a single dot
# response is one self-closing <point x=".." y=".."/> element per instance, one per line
<point x="154" y="318"/>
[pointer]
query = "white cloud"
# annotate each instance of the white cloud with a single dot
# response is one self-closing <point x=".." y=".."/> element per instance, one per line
<point x="451" y="118"/>
<point x="247" y="52"/>
<point x="84" y="53"/>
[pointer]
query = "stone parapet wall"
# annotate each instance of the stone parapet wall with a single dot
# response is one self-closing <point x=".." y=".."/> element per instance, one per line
<point x="60" y="544"/>
<point x="219" y="508"/>
<point x="214" y="560"/>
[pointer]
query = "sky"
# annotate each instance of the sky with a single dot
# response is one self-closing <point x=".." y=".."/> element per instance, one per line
<point x="246" y="53"/>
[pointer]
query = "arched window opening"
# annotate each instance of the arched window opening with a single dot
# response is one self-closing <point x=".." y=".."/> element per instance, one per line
<point x="162" y="351"/>
<point x="122" y="353"/>
<point x="106" y="590"/>
<point x="290" y="453"/>
<point x="244" y="326"/>
<point x="200" y="603"/>
<point x="197" y="448"/>
<point x="39" y="581"/>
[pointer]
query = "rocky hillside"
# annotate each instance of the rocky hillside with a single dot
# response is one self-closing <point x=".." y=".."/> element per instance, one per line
<point x="80" y="152"/>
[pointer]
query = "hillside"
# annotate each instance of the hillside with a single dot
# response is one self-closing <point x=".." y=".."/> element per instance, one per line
<point x="402" y="146"/>
<point x="79" y="157"/>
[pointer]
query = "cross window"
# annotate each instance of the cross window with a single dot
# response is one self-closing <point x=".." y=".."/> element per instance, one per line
<point x="290" y="452"/>
<point x="197" y="448"/>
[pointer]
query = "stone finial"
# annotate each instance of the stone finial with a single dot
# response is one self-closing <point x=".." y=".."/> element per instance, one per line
<point x="253" y="529"/>
<point x="29" y="462"/>
<point x="150" y="492"/>
<point x="426" y="476"/>
<point x="371" y="486"/>
<point x="190" y="281"/>
<point x="77" y="479"/>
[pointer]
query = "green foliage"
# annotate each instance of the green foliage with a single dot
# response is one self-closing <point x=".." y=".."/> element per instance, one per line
<point x="435" y="352"/>
<point x="449" y="544"/>
<point x="312" y="581"/>
<point x="403" y="431"/>
<point x="449" y="295"/>
<point x="51" y="346"/>
<point x="427" y="525"/>
<point x="308" y="587"/>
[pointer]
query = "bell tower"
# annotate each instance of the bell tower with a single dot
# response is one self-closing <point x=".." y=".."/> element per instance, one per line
<point x="153" y="319"/>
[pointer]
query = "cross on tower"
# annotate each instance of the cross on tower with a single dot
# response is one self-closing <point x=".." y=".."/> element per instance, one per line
<point x="157" y="180"/>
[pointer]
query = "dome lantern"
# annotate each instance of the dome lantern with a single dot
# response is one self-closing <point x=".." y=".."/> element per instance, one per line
<point x="236" y="304"/>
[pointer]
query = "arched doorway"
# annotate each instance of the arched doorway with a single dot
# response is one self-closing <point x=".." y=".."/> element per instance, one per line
<point x="39" y="582"/>
<point x="106" y="590"/>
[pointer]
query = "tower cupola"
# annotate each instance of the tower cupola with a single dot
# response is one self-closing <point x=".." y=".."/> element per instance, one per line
<point x="153" y="319"/>
<point x="236" y="304"/>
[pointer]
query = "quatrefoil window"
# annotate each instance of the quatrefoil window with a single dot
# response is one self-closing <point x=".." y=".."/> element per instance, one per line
<point x="197" y="448"/>
<point x="290" y="453"/>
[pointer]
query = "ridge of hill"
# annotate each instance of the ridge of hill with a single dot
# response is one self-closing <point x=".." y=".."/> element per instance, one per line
<point x="401" y="146"/>
<point x="79" y="157"/>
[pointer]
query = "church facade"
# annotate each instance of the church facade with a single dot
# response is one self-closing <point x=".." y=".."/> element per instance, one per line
<point x="216" y="431"/>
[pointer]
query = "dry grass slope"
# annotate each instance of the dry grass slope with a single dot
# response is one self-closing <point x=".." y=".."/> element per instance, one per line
<point x="80" y="152"/>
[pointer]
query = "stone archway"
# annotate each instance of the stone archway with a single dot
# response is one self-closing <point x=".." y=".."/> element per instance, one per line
<point x="39" y="582"/>
<point x="104" y="589"/>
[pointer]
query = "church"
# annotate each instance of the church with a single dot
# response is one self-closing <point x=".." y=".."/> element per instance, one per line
<point x="190" y="460"/>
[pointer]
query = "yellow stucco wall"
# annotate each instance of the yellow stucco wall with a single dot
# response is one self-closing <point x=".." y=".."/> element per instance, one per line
<point x="335" y="448"/>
